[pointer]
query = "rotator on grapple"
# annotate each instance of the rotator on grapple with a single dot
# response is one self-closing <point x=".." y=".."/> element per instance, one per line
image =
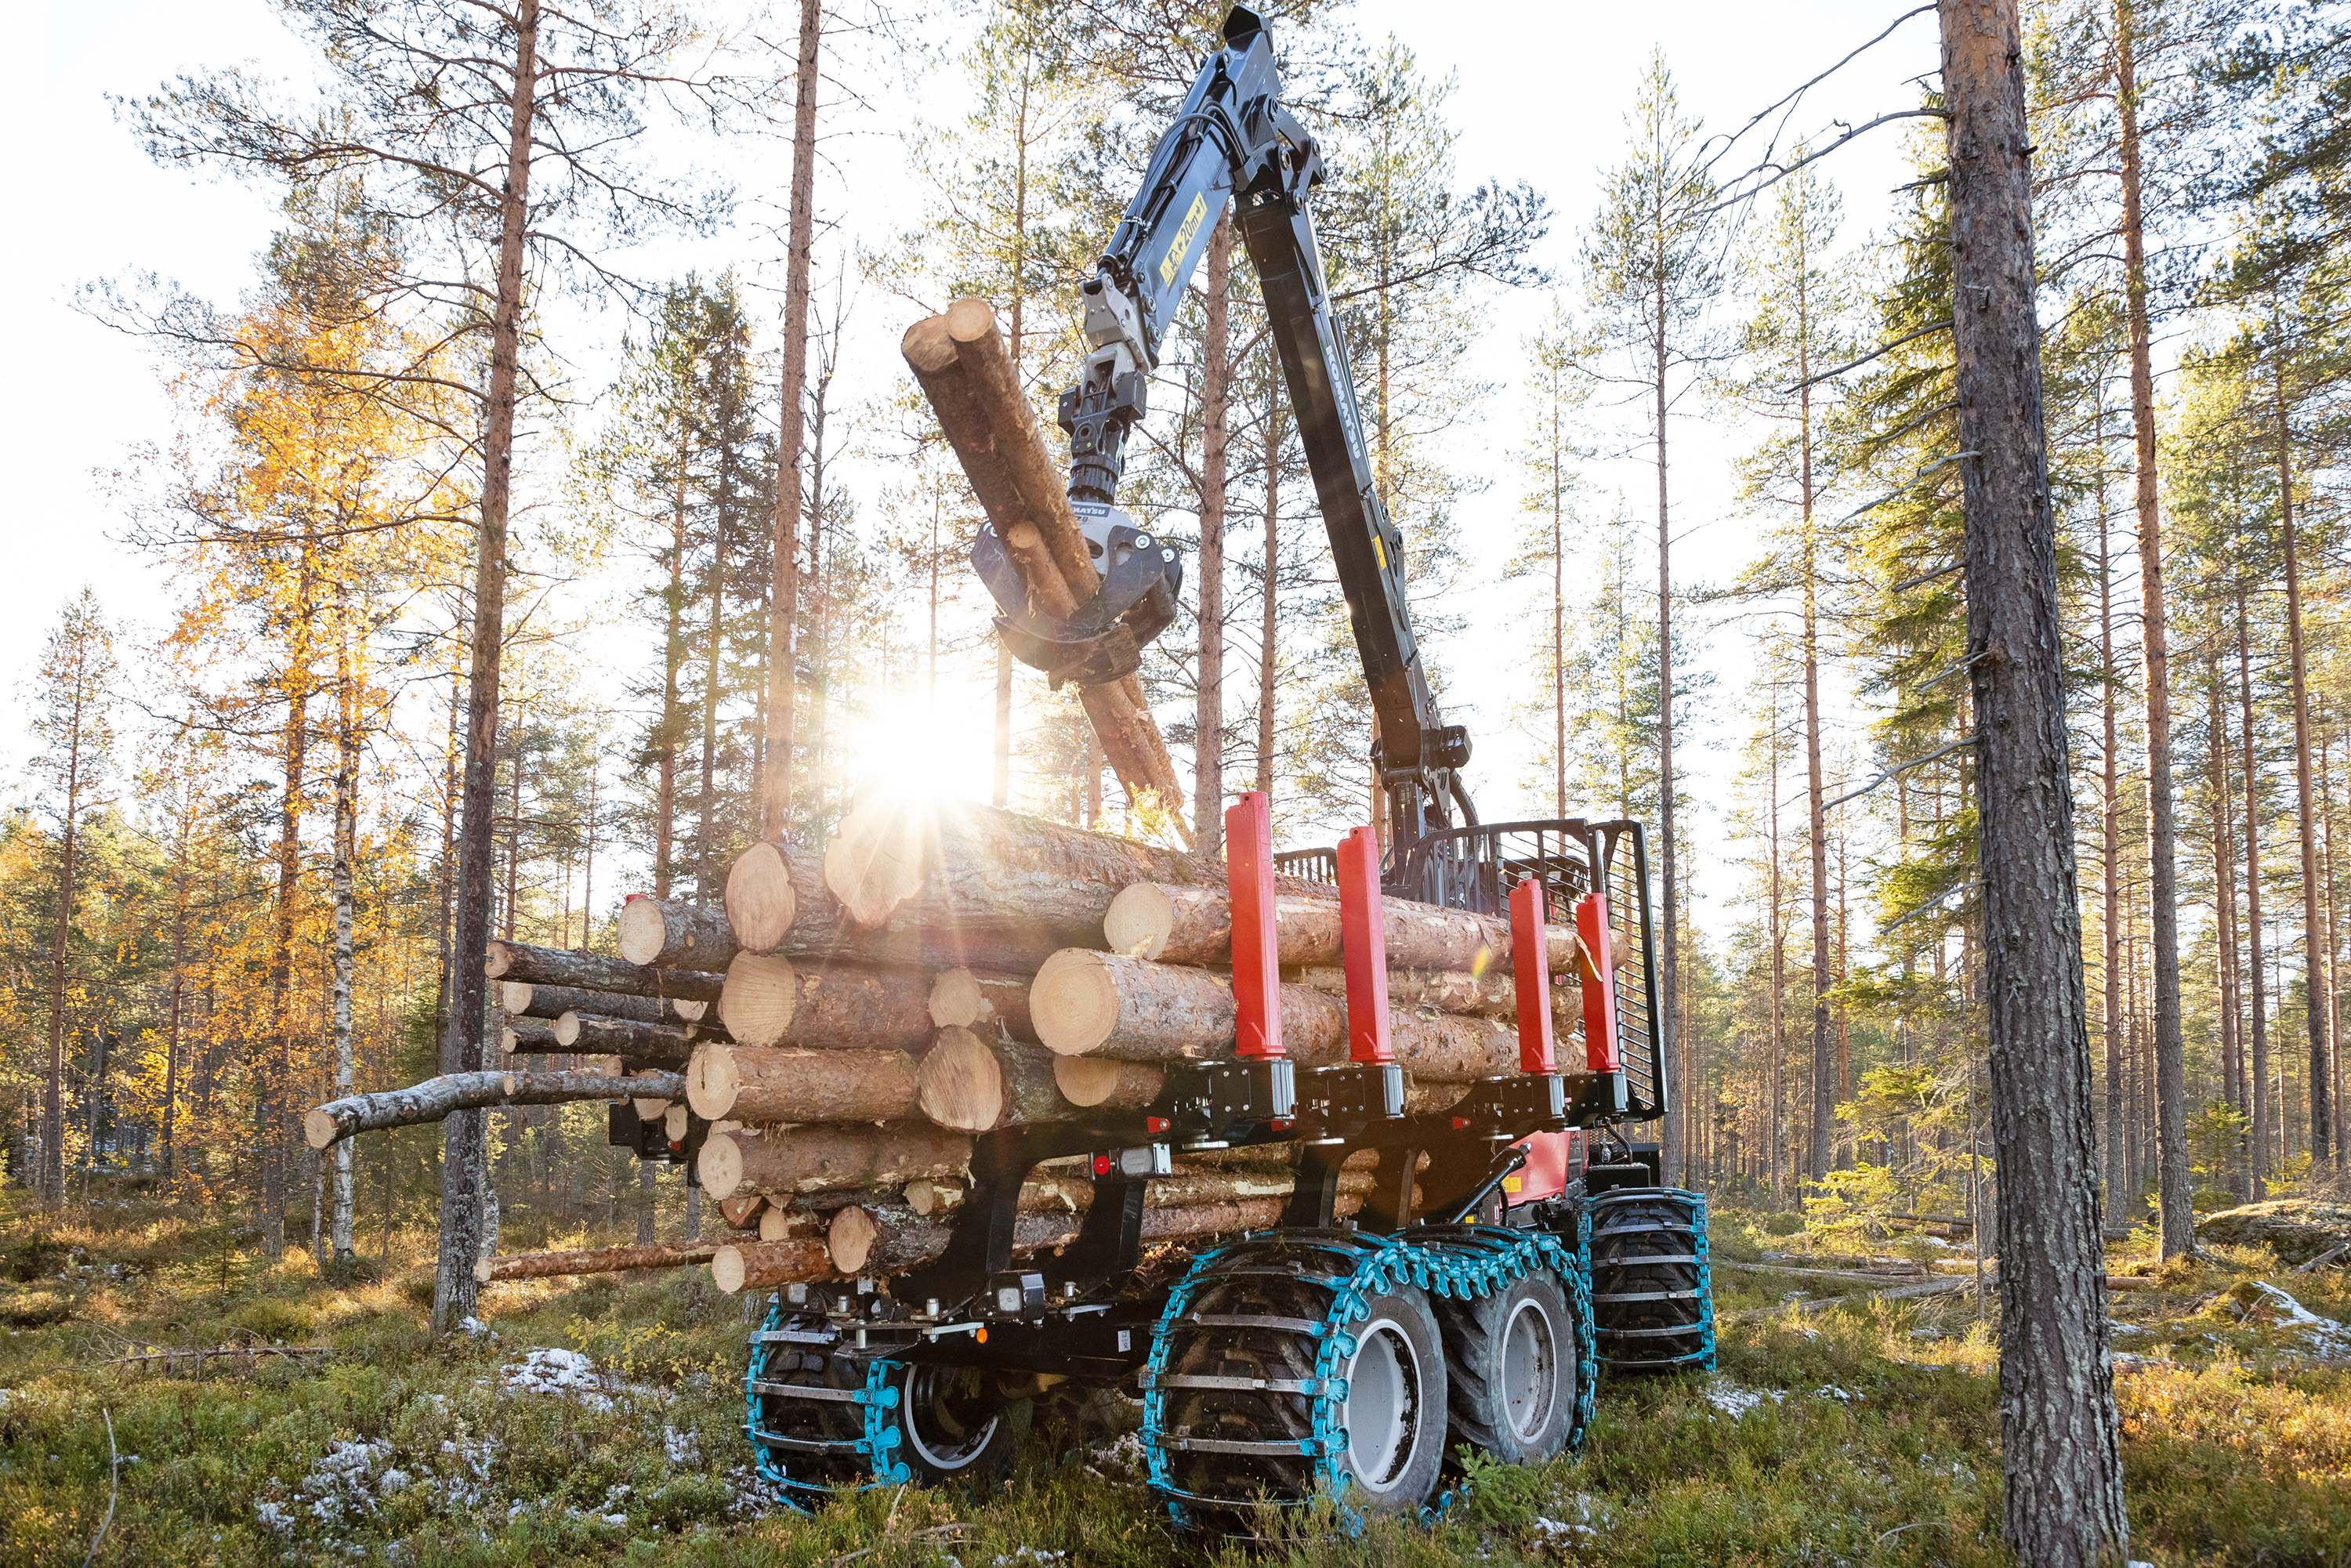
<point x="1512" y="1243"/>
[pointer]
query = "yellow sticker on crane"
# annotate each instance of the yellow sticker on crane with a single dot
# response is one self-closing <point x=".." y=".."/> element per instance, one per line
<point x="1174" y="259"/>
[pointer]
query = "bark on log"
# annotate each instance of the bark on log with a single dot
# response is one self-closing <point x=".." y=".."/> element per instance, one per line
<point x="752" y="1083"/>
<point x="1086" y="1003"/>
<point x="596" y="1260"/>
<point x="531" y="1037"/>
<point x="902" y="1240"/>
<point x="1493" y="995"/>
<point x="667" y="1043"/>
<point x="992" y="450"/>
<point x="1075" y="1195"/>
<point x="770" y="1001"/>
<point x="1178" y="924"/>
<point x="1009" y="881"/>
<point x="991" y="1006"/>
<point x="438" y="1097"/>
<point x="673" y="935"/>
<point x="761" y="900"/>
<point x="974" y="1087"/>
<point x="520" y="961"/>
<point x="1105" y="1082"/>
<point x="525" y="999"/>
<point x="757" y="1265"/>
<point x="812" y="1157"/>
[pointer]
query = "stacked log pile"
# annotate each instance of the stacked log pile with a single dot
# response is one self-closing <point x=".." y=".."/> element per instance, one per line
<point x="826" y="1046"/>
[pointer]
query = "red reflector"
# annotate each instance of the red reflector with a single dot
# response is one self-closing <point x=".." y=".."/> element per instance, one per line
<point x="1154" y="1124"/>
<point x="1460" y="1123"/>
<point x="1279" y="1124"/>
<point x="1101" y="1165"/>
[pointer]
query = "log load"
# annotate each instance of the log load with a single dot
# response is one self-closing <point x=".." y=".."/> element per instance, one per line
<point x="758" y="1265"/>
<point x="664" y="1044"/>
<point x="770" y="1001"/>
<point x="438" y="1097"/>
<point x="992" y="1006"/>
<point x="1075" y="1195"/>
<point x="752" y="1083"/>
<point x="961" y="362"/>
<point x="1191" y="923"/>
<point x="817" y="1155"/>
<point x="525" y="999"/>
<point x="521" y="962"/>
<point x="1085" y="1003"/>
<point x="595" y="1261"/>
<point x="669" y="936"/>
<point x="973" y="1087"/>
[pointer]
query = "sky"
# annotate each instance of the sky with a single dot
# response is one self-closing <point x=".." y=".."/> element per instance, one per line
<point x="1542" y="92"/>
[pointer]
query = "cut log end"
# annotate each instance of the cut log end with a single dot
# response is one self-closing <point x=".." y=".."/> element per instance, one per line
<point x="1090" y="1081"/>
<point x="761" y="995"/>
<point x="970" y="319"/>
<point x="760" y="902"/>
<point x="879" y="855"/>
<point x="955" y="999"/>
<point x="712" y="1081"/>
<point x="640" y="932"/>
<point x="961" y="1086"/>
<point x="320" y="1129"/>
<point x="1073" y="1002"/>
<point x="1139" y="920"/>
<point x="850" y="1238"/>
<point x="720" y="1166"/>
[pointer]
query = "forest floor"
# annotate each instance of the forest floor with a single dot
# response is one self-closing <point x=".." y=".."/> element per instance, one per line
<point x="602" y="1418"/>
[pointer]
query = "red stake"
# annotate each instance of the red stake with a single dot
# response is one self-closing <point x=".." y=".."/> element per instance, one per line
<point x="1364" y="944"/>
<point x="1530" y="973"/>
<point x="1599" y="985"/>
<point x="1257" y="955"/>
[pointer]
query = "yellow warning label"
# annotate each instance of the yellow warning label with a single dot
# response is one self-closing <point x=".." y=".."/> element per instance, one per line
<point x="1174" y="260"/>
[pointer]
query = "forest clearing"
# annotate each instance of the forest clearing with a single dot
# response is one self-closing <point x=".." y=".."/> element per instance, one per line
<point x="849" y="786"/>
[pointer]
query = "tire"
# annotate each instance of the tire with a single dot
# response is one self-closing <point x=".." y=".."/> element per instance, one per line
<point x="953" y="1427"/>
<point x="1394" y="1411"/>
<point x="1651" y="1294"/>
<point x="1510" y="1370"/>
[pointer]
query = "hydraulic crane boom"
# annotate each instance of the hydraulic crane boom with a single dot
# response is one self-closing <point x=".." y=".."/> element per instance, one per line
<point x="1232" y="142"/>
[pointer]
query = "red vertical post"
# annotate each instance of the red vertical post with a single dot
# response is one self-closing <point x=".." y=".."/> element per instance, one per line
<point x="1599" y="966"/>
<point x="1257" y="955"/>
<point x="1531" y="976"/>
<point x="1364" y="944"/>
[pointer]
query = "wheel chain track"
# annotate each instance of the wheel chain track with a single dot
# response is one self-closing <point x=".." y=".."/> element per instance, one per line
<point x="840" y="1436"/>
<point x="1647" y="1253"/>
<point x="1458" y="1263"/>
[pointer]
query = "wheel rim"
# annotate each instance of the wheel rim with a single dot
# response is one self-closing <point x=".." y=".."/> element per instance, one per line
<point x="1382" y="1410"/>
<point x="1529" y="1369"/>
<point x="947" y="1424"/>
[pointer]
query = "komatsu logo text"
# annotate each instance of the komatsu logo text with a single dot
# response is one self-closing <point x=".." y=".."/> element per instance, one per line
<point x="1183" y="240"/>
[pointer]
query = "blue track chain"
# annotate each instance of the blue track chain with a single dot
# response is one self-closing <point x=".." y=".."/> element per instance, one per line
<point x="1703" y="1358"/>
<point x="1453" y="1263"/>
<point x="878" y="1400"/>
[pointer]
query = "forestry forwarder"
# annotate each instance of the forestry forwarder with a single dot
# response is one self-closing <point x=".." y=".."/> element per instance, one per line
<point x="1459" y="1306"/>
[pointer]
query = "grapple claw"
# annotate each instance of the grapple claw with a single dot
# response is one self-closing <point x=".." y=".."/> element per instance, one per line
<point x="1103" y="640"/>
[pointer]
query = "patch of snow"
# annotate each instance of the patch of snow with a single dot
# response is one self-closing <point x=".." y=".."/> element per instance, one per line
<point x="1734" y="1401"/>
<point x="2272" y="1305"/>
<point x="681" y="1447"/>
<point x="1025" y="1554"/>
<point x="475" y="1328"/>
<point x="1831" y="1391"/>
<point x="562" y="1372"/>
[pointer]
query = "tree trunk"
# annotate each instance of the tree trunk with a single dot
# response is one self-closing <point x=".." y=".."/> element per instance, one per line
<point x="347" y="829"/>
<point x="745" y="1083"/>
<point x="2306" y="805"/>
<point x="273" y="1075"/>
<point x="2059" y="1437"/>
<point x="2267" y="1113"/>
<point x="770" y="1001"/>
<point x="53" y="1105"/>
<point x="464" y="1146"/>
<point x="1216" y="390"/>
<point x="597" y="1261"/>
<point x="783" y="670"/>
<point x="1269" y="648"/>
<point x="518" y="963"/>
<point x="1194" y="925"/>
<point x="455" y="1092"/>
<point x="2224" y="883"/>
<point x="2110" y="934"/>
<point x="2173" y="1185"/>
<point x="585" y="1034"/>
<point x="1669" y="1000"/>
<point x="817" y="1155"/>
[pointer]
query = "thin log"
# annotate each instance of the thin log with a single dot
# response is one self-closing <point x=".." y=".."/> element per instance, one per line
<point x="761" y="900"/>
<point x="596" y="1260"/>
<point x="520" y="961"/>
<point x="670" y="936"/>
<point x="770" y="1001"/>
<point x="818" y="1156"/>
<point x="1192" y="924"/>
<point x="667" y="1043"/>
<point x="753" y="1083"/>
<point x="1086" y="1003"/>
<point x="522" y="999"/>
<point x="991" y="1006"/>
<point x="1100" y="1082"/>
<point x="973" y="1087"/>
<point x="531" y="1037"/>
<point x="438" y="1097"/>
<point x="755" y="1265"/>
